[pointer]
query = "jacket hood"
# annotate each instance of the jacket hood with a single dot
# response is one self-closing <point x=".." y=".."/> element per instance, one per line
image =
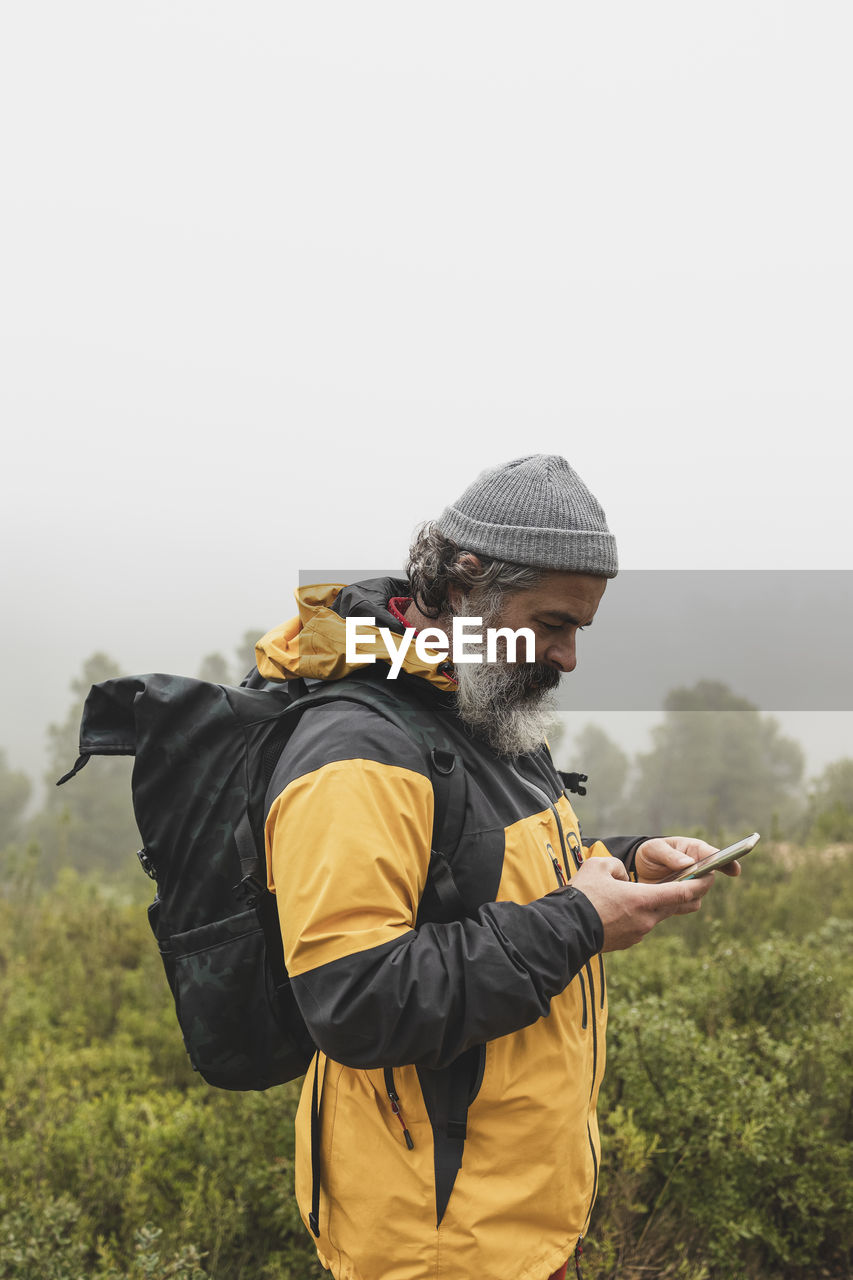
<point x="313" y="644"/>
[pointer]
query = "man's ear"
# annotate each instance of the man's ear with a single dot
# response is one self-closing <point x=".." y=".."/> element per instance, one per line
<point x="468" y="560"/>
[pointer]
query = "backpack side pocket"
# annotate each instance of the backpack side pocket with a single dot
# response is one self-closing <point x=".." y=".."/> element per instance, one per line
<point x="228" y="1007"/>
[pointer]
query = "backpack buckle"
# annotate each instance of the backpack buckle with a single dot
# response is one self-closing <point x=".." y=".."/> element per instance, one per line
<point x="443" y="761"/>
<point x="248" y="891"/>
<point x="146" y="863"/>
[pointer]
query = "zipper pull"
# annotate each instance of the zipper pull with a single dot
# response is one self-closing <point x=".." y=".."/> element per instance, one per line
<point x="561" y="879"/>
<point x="395" y="1107"/>
<point x="578" y="1256"/>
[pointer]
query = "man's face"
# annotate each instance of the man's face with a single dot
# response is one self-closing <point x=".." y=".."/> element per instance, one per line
<point x="555" y="611"/>
<point x="512" y="704"/>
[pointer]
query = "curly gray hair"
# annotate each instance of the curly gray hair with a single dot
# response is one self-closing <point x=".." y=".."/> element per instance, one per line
<point x="436" y="564"/>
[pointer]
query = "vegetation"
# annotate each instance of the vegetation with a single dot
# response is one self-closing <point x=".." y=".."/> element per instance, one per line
<point x="726" y="1112"/>
<point x="15" y="791"/>
<point x="716" y="764"/>
<point x="121" y="1161"/>
<point x="607" y="766"/>
<point x="89" y="822"/>
<point x="830" y="809"/>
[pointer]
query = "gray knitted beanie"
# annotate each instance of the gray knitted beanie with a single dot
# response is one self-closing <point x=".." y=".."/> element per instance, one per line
<point x="535" y="511"/>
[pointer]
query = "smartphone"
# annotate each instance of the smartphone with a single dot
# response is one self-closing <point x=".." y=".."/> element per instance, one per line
<point x="721" y="858"/>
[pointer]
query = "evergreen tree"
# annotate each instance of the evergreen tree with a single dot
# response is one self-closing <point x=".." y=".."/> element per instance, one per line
<point x="606" y="765"/>
<point x="15" y="789"/>
<point x="830" y="813"/>
<point x="717" y="765"/>
<point x="88" y="822"/>
<point x="245" y="652"/>
<point x="214" y="668"/>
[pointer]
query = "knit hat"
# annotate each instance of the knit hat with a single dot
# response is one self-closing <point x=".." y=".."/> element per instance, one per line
<point x="534" y="511"/>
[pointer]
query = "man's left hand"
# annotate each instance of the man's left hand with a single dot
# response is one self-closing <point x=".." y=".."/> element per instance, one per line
<point x="663" y="855"/>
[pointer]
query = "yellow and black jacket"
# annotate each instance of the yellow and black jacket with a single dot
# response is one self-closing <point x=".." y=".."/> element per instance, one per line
<point x="460" y="1061"/>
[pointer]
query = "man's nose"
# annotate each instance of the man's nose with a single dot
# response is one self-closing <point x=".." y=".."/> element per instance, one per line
<point x="562" y="655"/>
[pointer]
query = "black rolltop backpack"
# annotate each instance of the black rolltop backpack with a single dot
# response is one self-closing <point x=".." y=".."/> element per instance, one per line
<point x="204" y="755"/>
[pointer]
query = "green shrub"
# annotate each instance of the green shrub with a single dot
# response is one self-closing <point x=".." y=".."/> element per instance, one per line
<point x="37" y="1242"/>
<point x="727" y="1109"/>
<point x="104" y="1121"/>
<point x="726" y="1113"/>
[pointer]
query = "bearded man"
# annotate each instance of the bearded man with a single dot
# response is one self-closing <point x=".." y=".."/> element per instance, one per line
<point x="448" y="1125"/>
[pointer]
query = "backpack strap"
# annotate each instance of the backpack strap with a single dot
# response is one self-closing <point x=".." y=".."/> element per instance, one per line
<point x="441" y="903"/>
<point x="80" y="763"/>
<point x="449" y="1141"/>
<point x="448" y="779"/>
<point x="250" y="863"/>
<point x="448" y="782"/>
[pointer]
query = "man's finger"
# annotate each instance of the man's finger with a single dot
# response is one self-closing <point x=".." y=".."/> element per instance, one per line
<point x="615" y="867"/>
<point x="680" y="897"/>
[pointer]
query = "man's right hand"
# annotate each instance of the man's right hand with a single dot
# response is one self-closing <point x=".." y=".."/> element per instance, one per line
<point x="629" y="911"/>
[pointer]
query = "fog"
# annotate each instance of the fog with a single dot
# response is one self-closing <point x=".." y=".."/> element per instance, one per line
<point x="279" y="281"/>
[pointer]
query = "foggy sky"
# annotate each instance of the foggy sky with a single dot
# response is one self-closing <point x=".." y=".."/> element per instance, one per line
<point x="279" y="280"/>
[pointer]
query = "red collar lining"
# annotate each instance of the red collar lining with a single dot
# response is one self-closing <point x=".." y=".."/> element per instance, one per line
<point x="396" y="605"/>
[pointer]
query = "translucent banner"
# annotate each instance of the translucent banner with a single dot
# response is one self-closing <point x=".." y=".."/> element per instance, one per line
<point x="783" y="639"/>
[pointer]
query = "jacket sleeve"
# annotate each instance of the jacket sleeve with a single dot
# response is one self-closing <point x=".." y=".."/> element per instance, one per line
<point x="348" y="850"/>
<point x="622" y="847"/>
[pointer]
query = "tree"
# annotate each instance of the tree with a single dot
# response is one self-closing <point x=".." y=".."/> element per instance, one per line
<point x="830" y="813"/>
<point x="15" y="791"/>
<point x="218" y="670"/>
<point x="214" y="668"/>
<point x="245" y="652"/>
<point x="719" y="765"/>
<point x="89" y="820"/>
<point x="607" y="765"/>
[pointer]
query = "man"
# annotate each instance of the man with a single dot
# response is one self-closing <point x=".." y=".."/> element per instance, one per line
<point x="453" y="1100"/>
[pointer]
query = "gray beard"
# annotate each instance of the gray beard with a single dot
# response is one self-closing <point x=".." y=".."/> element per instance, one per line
<point x="512" y="705"/>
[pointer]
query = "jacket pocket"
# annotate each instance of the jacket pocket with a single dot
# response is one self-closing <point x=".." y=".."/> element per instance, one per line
<point x="584" y="1012"/>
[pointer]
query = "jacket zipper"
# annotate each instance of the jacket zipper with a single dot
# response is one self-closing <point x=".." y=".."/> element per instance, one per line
<point x="395" y="1106"/>
<point x="591" y="1089"/>
<point x="542" y="796"/>
<point x="539" y="792"/>
<point x="552" y="858"/>
<point x="594" y="1176"/>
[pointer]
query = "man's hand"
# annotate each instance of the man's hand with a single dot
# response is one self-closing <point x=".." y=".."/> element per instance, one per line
<point x="660" y="857"/>
<point x="627" y="910"/>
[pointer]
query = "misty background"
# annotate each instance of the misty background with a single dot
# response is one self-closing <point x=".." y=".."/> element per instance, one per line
<point x="278" y="283"/>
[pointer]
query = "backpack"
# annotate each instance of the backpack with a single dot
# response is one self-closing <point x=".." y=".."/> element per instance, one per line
<point x="204" y="758"/>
